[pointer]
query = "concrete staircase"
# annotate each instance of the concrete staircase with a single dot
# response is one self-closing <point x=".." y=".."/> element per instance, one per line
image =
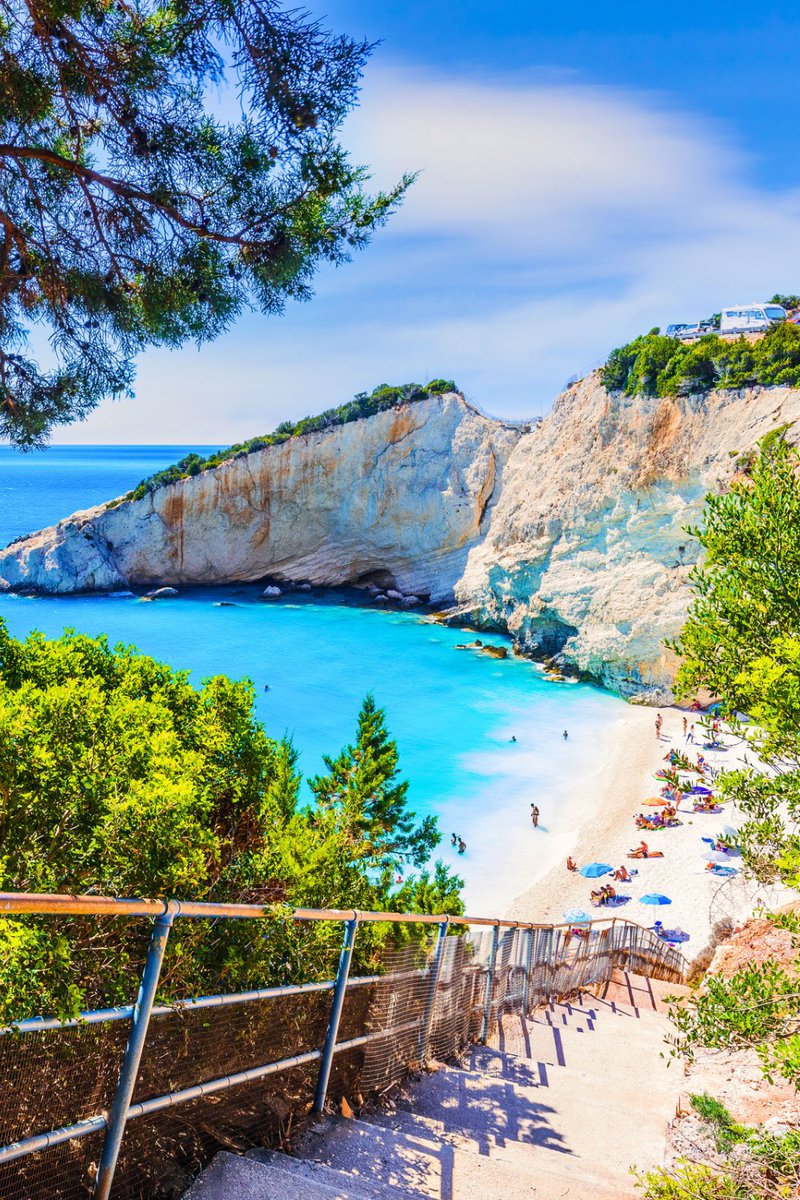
<point x="561" y="1104"/>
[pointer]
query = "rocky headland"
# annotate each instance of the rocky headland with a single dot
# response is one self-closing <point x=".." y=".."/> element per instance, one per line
<point x="570" y="534"/>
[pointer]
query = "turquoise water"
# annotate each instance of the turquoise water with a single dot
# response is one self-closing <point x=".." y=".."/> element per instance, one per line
<point x="452" y="712"/>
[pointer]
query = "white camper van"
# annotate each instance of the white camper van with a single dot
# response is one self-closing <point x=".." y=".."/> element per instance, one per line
<point x="751" y="318"/>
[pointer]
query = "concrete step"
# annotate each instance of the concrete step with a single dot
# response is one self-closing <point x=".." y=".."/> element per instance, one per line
<point x="592" y="1045"/>
<point x="305" y="1170"/>
<point x="231" y="1177"/>
<point x="639" y="991"/>
<point x="597" y="1068"/>
<point x="553" y="1182"/>
<point x="439" y="1170"/>
<point x="586" y="1113"/>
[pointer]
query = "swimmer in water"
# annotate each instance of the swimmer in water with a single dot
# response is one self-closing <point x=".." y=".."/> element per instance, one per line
<point x="462" y="845"/>
<point x="512" y="738"/>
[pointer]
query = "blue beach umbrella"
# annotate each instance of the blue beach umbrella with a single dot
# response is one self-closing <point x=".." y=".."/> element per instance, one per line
<point x="577" y="915"/>
<point x="699" y="790"/>
<point x="655" y="898"/>
<point x="595" y="870"/>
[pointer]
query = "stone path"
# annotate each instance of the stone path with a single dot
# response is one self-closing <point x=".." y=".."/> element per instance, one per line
<point x="560" y="1105"/>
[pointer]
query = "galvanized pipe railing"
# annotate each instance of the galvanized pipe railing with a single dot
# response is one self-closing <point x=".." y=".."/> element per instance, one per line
<point x="166" y="912"/>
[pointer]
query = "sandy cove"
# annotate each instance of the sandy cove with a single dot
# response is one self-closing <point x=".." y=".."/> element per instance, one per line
<point x="605" y="831"/>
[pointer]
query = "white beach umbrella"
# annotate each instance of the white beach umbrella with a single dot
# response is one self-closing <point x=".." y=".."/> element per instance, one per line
<point x="717" y="856"/>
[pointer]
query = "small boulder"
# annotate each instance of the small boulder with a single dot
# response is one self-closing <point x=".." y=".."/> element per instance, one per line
<point x="271" y="592"/>
<point x="304" y="587"/>
<point x="163" y="593"/>
<point x="393" y="594"/>
<point x="410" y="602"/>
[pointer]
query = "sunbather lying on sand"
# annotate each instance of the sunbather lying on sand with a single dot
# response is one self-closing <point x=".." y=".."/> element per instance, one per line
<point x="643" y="851"/>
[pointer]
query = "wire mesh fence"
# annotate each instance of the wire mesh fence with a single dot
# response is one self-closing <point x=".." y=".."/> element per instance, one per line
<point x="234" y="1071"/>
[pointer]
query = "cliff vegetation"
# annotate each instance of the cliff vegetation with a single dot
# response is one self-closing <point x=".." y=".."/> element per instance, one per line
<point x="364" y="404"/>
<point x="654" y="365"/>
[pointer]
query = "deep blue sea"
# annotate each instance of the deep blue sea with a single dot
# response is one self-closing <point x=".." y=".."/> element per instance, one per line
<point x="453" y="712"/>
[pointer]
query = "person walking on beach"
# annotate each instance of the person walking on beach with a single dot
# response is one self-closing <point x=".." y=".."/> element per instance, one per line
<point x="659" y="723"/>
<point x="535" y="816"/>
<point x="690" y="734"/>
<point x="566" y="735"/>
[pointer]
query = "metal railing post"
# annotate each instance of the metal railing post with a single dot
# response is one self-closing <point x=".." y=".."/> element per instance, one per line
<point x="526" y="983"/>
<point x="133" y="1051"/>
<point x="487" y="1003"/>
<point x="430" y="1004"/>
<point x="339" y="989"/>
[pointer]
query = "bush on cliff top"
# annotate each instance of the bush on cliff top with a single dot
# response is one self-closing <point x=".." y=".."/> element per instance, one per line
<point x="364" y="404"/>
<point x="118" y="777"/>
<point x="653" y="365"/>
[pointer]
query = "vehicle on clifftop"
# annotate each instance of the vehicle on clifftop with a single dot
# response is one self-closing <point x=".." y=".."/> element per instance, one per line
<point x="751" y="318"/>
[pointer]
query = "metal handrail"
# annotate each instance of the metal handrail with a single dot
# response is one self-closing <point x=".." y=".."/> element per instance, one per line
<point x="42" y="903"/>
<point x="165" y="912"/>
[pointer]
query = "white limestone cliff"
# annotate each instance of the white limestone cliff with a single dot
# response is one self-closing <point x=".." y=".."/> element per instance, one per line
<point x="400" y="498"/>
<point x="587" y="553"/>
<point x="571" y="535"/>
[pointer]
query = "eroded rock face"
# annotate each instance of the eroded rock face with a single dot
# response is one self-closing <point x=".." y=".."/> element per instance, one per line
<point x="401" y="498"/>
<point x="587" y="553"/>
<point x="570" y="535"/>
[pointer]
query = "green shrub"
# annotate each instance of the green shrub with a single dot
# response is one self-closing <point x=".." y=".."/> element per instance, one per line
<point x="117" y="777"/>
<point x="653" y="365"/>
<point x="383" y="398"/>
<point x="690" y="1182"/>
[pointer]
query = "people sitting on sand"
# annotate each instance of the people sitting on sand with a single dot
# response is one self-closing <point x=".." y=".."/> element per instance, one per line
<point x="643" y="852"/>
<point x="622" y="874"/>
<point x="604" y="895"/>
<point x="702" y="764"/>
<point x="706" y="804"/>
<point x="571" y="864"/>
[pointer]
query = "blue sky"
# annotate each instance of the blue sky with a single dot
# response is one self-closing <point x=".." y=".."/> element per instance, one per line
<point x="587" y="171"/>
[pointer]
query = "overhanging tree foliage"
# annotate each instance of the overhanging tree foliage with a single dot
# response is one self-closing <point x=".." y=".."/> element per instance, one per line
<point x="742" y="642"/>
<point x="118" y="777"/>
<point x="163" y="163"/>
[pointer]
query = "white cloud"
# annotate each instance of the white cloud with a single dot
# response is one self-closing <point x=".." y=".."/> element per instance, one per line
<point x="549" y="223"/>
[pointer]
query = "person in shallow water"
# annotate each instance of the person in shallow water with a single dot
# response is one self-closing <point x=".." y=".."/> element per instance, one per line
<point x="512" y="738"/>
<point x="534" y="816"/>
<point x="565" y="735"/>
<point x="462" y="845"/>
<point x="453" y="839"/>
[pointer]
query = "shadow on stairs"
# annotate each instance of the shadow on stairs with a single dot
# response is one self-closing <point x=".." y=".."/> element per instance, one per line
<point x="560" y="1104"/>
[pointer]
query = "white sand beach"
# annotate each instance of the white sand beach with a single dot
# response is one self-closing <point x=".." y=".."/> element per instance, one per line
<point x="605" y="831"/>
